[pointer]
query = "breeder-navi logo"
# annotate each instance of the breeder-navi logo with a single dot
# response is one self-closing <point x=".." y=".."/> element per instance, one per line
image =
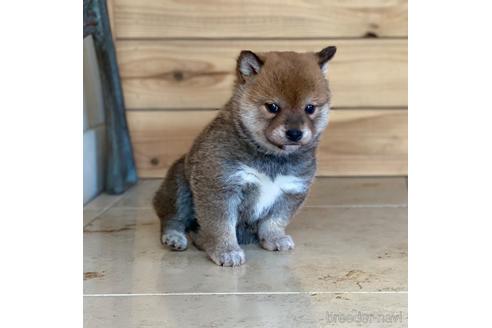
<point x="364" y="317"/>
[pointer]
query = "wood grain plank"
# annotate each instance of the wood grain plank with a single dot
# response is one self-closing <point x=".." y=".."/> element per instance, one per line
<point x="357" y="142"/>
<point x="200" y="74"/>
<point x="260" y="19"/>
<point x="364" y="143"/>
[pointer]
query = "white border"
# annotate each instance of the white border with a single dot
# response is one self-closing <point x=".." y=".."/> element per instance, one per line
<point x="41" y="163"/>
<point x="450" y="148"/>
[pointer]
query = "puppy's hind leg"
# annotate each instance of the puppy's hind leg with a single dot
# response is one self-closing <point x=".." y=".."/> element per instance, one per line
<point x="174" y="206"/>
<point x="175" y="239"/>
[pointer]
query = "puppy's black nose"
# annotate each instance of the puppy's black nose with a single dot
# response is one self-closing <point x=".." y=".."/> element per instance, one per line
<point x="294" y="134"/>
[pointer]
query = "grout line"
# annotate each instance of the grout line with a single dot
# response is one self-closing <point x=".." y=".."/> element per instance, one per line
<point x="244" y="293"/>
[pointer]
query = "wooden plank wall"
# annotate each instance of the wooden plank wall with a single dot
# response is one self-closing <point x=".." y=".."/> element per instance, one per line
<point x="177" y="61"/>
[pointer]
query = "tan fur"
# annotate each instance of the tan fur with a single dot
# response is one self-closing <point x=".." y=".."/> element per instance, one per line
<point x="290" y="79"/>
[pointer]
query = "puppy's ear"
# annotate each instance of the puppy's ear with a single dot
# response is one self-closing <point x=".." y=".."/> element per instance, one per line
<point x="324" y="56"/>
<point x="248" y="64"/>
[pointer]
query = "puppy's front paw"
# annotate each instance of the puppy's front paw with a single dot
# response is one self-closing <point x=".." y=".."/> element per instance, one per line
<point x="232" y="258"/>
<point x="279" y="243"/>
<point x="175" y="240"/>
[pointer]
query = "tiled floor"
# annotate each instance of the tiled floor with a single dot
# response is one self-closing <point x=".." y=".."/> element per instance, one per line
<point x="350" y="265"/>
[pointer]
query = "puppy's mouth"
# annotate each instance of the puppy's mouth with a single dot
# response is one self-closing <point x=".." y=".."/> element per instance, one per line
<point x="290" y="147"/>
<point x="285" y="145"/>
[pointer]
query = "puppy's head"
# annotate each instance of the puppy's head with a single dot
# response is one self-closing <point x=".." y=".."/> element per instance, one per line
<point x="282" y="98"/>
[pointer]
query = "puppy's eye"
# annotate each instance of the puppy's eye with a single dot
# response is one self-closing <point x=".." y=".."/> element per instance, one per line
<point x="272" y="108"/>
<point x="309" y="109"/>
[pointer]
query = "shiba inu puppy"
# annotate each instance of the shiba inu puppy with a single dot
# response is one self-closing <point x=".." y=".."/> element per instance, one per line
<point x="251" y="168"/>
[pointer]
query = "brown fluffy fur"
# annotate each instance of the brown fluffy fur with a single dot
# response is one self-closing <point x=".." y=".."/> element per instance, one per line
<point x="243" y="179"/>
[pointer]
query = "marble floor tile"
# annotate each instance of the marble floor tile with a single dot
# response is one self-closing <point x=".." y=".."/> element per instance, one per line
<point x="140" y="195"/>
<point x="337" y="249"/>
<point x="103" y="201"/>
<point x="350" y="264"/>
<point x="90" y="215"/>
<point x="283" y="311"/>
<point x="98" y="206"/>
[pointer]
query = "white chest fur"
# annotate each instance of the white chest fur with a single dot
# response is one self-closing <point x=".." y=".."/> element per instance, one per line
<point x="269" y="189"/>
